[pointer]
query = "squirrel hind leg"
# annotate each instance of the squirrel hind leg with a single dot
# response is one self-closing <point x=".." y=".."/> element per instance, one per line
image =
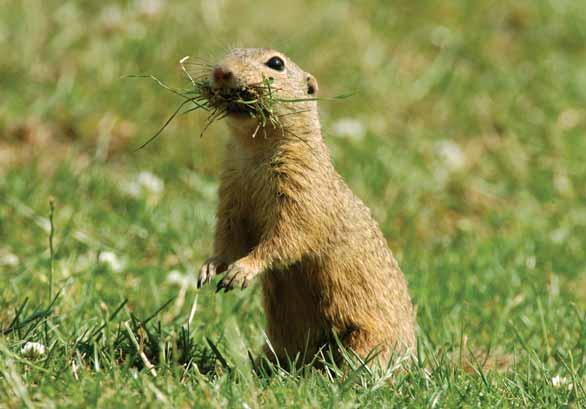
<point x="359" y="342"/>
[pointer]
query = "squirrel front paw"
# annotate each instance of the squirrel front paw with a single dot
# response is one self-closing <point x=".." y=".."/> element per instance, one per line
<point x="210" y="268"/>
<point x="238" y="274"/>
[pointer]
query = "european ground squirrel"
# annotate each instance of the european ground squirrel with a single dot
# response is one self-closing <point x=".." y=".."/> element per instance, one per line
<point x="286" y="216"/>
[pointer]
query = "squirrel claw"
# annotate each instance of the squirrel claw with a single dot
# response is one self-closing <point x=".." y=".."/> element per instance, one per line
<point x="237" y="275"/>
<point x="210" y="268"/>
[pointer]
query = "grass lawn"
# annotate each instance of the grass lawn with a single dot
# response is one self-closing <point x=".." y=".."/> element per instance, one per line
<point x="466" y="136"/>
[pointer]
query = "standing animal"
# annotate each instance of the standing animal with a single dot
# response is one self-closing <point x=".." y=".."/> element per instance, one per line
<point x="286" y="216"/>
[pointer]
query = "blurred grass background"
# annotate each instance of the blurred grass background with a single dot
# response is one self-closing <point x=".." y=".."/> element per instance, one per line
<point x="466" y="137"/>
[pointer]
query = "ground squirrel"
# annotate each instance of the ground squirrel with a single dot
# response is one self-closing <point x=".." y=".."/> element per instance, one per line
<point x="286" y="216"/>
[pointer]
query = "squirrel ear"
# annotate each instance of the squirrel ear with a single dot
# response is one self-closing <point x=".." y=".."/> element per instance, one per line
<point x="311" y="85"/>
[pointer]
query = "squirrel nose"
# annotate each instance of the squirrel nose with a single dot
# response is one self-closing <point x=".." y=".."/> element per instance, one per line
<point x="221" y="74"/>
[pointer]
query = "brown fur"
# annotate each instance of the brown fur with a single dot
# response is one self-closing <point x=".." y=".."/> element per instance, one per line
<point x="286" y="216"/>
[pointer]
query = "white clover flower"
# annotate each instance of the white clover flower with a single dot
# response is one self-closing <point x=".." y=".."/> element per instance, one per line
<point x="175" y="277"/>
<point x="569" y="119"/>
<point x="559" y="235"/>
<point x="33" y="349"/>
<point x="111" y="17"/>
<point x="9" y="259"/>
<point x="150" y="182"/>
<point x="131" y="189"/>
<point x="558" y="381"/>
<point x="145" y="183"/>
<point x="442" y="36"/>
<point x="451" y="154"/>
<point x="349" y="128"/>
<point x="182" y="280"/>
<point x="149" y="7"/>
<point x="112" y="260"/>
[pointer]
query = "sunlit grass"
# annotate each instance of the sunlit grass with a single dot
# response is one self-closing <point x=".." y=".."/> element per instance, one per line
<point x="465" y="137"/>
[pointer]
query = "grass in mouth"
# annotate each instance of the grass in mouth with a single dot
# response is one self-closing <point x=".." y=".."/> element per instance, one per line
<point x="257" y="100"/>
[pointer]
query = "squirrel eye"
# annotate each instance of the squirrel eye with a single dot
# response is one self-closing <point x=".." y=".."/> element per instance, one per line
<point x="276" y="63"/>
